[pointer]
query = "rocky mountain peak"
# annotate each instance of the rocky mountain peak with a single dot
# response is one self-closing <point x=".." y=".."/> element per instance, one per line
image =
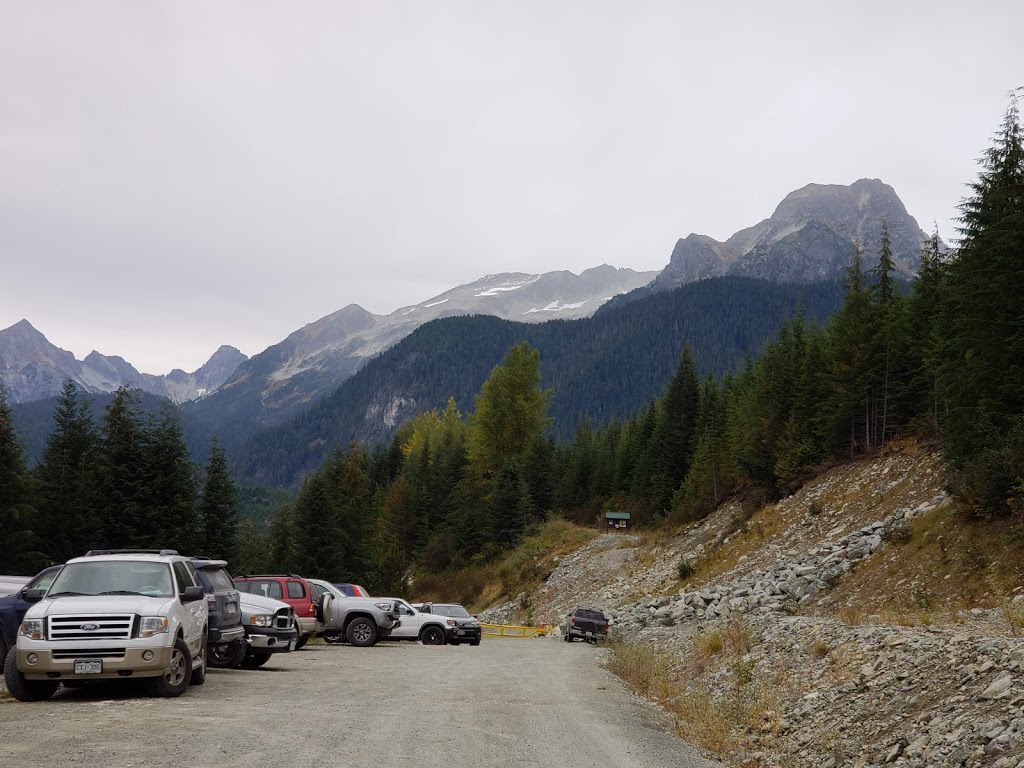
<point x="809" y="237"/>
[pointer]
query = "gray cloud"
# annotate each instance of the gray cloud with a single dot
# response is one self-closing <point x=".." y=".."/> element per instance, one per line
<point x="177" y="175"/>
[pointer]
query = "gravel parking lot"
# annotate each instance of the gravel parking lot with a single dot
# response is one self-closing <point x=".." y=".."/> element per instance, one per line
<point x="507" y="702"/>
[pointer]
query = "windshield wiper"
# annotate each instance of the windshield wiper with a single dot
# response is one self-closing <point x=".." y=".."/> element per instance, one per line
<point x="69" y="594"/>
<point x="124" y="592"/>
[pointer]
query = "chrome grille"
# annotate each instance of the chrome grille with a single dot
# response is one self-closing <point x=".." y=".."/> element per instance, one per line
<point x="284" y="618"/>
<point x="100" y="627"/>
<point x="88" y="653"/>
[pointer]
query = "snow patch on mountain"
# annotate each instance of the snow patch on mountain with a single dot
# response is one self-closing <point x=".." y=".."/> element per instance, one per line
<point x="507" y="285"/>
<point x="555" y="306"/>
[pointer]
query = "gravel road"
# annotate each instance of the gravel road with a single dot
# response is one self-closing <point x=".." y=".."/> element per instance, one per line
<point x="505" y="703"/>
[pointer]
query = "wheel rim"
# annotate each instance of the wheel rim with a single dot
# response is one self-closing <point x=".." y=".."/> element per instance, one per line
<point x="176" y="674"/>
<point x="220" y="653"/>
<point x="432" y="637"/>
<point x="332" y="637"/>
<point x="361" y="632"/>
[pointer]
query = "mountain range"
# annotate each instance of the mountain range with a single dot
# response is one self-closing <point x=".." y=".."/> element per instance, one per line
<point x="809" y="238"/>
<point x="34" y="369"/>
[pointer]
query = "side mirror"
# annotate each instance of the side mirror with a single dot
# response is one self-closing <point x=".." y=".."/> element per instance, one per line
<point x="191" y="594"/>
<point x="33" y="595"/>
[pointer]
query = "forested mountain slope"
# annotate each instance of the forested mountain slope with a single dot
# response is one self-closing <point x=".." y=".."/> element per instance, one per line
<point x="600" y="368"/>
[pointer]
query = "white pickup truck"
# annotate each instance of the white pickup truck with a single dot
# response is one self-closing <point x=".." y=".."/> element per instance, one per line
<point x="113" y="614"/>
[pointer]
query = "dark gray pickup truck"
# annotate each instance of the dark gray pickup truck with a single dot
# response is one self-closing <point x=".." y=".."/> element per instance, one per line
<point x="588" y="623"/>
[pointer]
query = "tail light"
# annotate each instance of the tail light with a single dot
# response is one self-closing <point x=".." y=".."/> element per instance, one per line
<point x="606" y="626"/>
<point x="312" y="609"/>
<point x="573" y="621"/>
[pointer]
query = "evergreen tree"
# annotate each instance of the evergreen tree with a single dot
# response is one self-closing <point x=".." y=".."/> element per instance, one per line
<point x="675" y="433"/>
<point x="124" y="477"/>
<point x="170" y="502"/>
<point x="219" y="507"/>
<point x="18" y="541"/>
<point x="850" y="365"/>
<point x="253" y="550"/>
<point x="284" y="540"/>
<point x="69" y="522"/>
<point x="981" y="375"/>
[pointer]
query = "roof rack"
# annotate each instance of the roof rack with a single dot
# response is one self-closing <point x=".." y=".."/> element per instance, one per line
<point x="269" y="576"/>
<point x="164" y="552"/>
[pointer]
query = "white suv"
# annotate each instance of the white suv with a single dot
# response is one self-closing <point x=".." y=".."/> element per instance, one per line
<point x="113" y="614"/>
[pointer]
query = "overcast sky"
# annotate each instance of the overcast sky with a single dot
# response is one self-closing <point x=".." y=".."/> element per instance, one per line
<point x="179" y="175"/>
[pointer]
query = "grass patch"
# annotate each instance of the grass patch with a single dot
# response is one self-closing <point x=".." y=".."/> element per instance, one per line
<point x="949" y="563"/>
<point x="522" y="569"/>
<point x="715" y="714"/>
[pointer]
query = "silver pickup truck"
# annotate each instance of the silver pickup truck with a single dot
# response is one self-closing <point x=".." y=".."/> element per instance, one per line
<point x="361" y="621"/>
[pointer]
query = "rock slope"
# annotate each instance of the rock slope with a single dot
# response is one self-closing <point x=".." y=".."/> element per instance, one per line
<point x="846" y="688"/>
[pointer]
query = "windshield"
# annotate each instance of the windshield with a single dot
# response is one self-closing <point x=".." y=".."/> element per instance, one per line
<point x="455" y="611"/>
<point x="114" y="577"/>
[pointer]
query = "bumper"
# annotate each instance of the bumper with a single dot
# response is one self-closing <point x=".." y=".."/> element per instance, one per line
<point x="308" y="625"/>
<point x="270" y="640"/>
<point x="224" y="636"/>
<point x="116" y="662"/>
<point x="462" y="634"/>
<point x="587" y="634"/>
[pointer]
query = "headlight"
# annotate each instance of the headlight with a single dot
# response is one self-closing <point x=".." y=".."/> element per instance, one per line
<point x="152" y="625"/>
<point x="32" y="629"/>
<point x="451" y="622"/>
<point x="262" y="620"/>
<point x="385" y="606"/>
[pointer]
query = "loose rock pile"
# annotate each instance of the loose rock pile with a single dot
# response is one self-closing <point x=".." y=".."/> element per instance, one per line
<point x="784" y="585"/>
<point x="884" y="695"/>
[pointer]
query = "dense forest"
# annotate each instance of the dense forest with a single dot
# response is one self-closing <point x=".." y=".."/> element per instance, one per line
<point x="600" y="368"/>
<point x="451" y="490"/>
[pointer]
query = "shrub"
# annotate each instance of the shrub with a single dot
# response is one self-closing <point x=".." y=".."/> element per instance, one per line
<point x="707" y="644"/>
<point x="685" y="569"/>
<point x="898" y="535"/>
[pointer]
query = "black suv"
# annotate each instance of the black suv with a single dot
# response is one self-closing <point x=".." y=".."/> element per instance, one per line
<point x="225" y="635"/>
<point x="13" y="608"/>
<point x="463" y="627"/>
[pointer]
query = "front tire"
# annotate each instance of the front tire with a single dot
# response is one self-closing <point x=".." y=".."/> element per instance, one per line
<point x="432" y="636"/>
<point x="175" y="680"/>
<point x="255" y="660"/>
<point x="303" y="639"/>
<point x="362" y="632"/>
<point x="227" y="656"/>
<point x="22" y="689"/>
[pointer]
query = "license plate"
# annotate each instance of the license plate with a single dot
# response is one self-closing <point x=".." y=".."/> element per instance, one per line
<point x="89" y="667"/>
<point x="460" y="632"/>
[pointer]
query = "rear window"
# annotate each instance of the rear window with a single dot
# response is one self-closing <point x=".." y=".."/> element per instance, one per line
<point x="263" y="587"/>
<point x="583" y="613"/>
<point x="220" y="579"/>
<point x="295" y="590"/>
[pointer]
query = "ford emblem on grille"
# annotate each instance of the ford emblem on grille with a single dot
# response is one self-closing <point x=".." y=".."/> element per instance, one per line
<point x="90" y="627"/>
